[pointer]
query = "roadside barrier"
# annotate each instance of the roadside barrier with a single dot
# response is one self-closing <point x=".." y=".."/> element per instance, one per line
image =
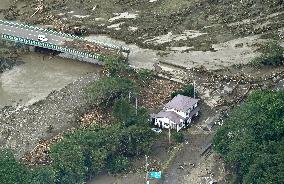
<point x="58" y="33"/>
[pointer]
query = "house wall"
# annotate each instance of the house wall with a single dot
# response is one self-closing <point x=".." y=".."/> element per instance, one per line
<point x="181" y="113"/>
<point x="166" y="123"/>
<point x="180" y="126"/>
<point x="190" y="109"/>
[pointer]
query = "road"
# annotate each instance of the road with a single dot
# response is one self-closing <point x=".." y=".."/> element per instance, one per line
<point x="32" y="34"/>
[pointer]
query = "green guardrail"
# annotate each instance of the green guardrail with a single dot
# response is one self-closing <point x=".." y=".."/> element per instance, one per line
<point x="58" y="33"/>
<point x="52" y="46"/>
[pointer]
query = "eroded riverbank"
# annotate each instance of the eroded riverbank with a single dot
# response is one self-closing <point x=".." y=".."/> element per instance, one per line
<point x="23" y="128"/>
<point x="38" y="76"/>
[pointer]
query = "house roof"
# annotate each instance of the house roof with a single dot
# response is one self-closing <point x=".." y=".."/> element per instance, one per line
<point x="181" y="103"/>
<point x="170" y="115"/>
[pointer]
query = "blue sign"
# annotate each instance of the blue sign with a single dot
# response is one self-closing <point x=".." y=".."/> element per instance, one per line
<point x="155" y="175"/>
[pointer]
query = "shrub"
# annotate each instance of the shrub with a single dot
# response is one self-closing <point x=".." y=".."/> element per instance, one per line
<point x="178" y="137"/>
<point x="187" y="90"/>
<point x="68" y="162"/>
<point x="11" y="171"/>
<point x="251" y="138"/>
<point x="272" y="54"/>
<point x="122" y="110"/>
<point x="117" y="164"/>
<point x="43" y="175"/>
<point x="144" y="75"/>
<point x="105" y="90"/>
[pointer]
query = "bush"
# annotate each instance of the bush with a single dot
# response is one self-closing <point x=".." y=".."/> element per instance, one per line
<point x="178" y="137"/>
<point x="117" y="164"/>
<point x="187" y="90"/>
<point x="43" y="175"/>
<point x="115" y="67"/>
<point x="106" y="90"/>
<point x="251" y="138"/>
<point x="68" y="162"/>
<point x="272" y="54"/>
<point x="11" y="171"/>
<point x="144" y="75"/>
<point x="122" y="110"/>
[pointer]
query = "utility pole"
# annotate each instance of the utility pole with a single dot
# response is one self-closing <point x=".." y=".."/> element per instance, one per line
<point x="136" y="104"/>
<point x="129" y="96"/>
<point x="193" y="89"/>
<point x="146" y="178"/>
<point x="170" y="135"/>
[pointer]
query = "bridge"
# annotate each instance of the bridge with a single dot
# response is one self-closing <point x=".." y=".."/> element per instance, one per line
<point x="28" y="35"/>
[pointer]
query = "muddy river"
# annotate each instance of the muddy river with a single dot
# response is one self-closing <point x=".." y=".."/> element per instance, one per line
<point x="37" y="77"/>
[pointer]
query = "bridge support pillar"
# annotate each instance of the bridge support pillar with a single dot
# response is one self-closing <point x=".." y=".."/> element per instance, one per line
<point x="31" y="48"/>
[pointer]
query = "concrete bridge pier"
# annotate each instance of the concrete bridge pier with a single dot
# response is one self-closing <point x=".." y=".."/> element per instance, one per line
<point x="32" y="48"/>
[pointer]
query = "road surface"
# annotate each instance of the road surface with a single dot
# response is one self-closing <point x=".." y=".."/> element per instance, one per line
<point x="32" y="34"/>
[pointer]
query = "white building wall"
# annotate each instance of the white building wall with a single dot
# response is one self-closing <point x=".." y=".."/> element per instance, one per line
<point x="181" y="113"/>
<point x="164" y="123"/>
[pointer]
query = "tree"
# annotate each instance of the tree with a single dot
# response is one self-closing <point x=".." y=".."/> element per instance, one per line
<point x="116" y="67"/>
<point x="105" y="90"/>
<point x="68" y="162"/>
<point x="43" y="175"/>
<point x="117" y="164"/>
<point x="145" y="75"/>
<point x="122" y="110"/>
<point x="178" y="137"/>
<point x="272" y="54"/>
<point x="187" y="90"/>
<point x="247" y="135"/>
<point x="11" y="171"/>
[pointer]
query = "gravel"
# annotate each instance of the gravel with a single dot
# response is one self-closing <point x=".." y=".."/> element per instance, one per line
<point x="23" y="127"/>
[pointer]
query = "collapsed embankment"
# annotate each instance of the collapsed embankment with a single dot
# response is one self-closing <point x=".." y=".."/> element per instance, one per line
<point x="22" y="128"/>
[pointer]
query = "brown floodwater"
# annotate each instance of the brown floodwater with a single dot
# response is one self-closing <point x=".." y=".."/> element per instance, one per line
<point x="38" y="76"/>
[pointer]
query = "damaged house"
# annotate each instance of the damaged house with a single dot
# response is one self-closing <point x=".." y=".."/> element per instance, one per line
<point x="177" y="113"/>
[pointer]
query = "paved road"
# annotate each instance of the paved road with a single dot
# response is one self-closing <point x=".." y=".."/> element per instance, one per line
<point x="31" y="34"/>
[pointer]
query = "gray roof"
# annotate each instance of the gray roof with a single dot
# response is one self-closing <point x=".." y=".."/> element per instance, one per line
<point x="170" y="115"/>
<point x="181" y="103"/>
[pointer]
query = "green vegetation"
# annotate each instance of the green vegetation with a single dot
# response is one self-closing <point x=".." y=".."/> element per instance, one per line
<point x="12" y="172"/>
<point x="88" y="151"/>
<point x="83" y="154"/>
<point x="251" y="138"/>
<point x="122" y="110"/>
<point x="272" y="54"/>
<point x="145" y="75"/>
<point x="187" y="90"/>
<point x="107" y="89"/>
<point x="178" y="137"/>
<point x="116" y="67"/>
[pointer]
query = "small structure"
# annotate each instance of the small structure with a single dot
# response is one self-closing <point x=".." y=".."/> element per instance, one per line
<point x="177" y="113"/>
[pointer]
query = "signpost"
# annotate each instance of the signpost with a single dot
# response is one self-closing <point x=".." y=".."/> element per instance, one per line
<point x="151" y="175"/>
<point x="155" y="175"/>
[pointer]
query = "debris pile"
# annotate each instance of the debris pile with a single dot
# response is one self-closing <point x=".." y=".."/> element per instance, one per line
<point x="157" y="93"/>
<point x="40" y="154"/>
<point x="97" y="116"/>
<point x="91" y="47"/>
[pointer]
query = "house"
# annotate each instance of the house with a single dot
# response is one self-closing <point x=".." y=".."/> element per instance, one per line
<point x="177" y="113"/>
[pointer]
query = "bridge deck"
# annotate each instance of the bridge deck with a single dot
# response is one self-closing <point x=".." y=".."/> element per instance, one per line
<point x="27" y="34"/>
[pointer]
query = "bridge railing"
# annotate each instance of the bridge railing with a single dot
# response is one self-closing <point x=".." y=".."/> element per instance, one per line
<point x="53" y="47"/>
<point x="58" y="33"/>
